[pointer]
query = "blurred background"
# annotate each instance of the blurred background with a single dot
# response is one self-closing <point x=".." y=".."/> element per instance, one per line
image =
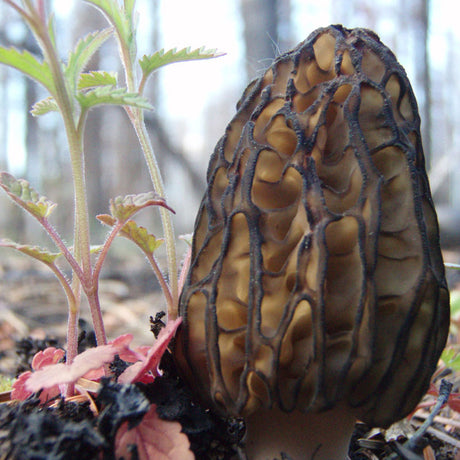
<point x="194" y="101"/>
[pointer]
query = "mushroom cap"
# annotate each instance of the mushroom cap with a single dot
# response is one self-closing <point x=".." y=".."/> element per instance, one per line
<point x="316" y="274"/>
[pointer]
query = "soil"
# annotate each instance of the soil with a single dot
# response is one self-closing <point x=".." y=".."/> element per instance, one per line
<point x="33" y="316"/>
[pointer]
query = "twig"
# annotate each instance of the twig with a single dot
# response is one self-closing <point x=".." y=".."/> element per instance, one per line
<point x="444" y="437"/>
<point x="439" y="419"/>
<point x="444" y="392"/>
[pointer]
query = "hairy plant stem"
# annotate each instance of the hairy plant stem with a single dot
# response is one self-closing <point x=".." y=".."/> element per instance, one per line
<point x="72" y="320"/>
<point x="73" y="301"/>
<point x="81" y="230"/>
<point x="61" y="246"/>
<point x="168" y="229"/>
<point x="164" y="286"/>
<point x="137" y="119"/>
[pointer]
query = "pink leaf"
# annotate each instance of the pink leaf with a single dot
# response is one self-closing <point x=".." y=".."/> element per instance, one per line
<point x="89" y="360"/>
<point x="18" y="390"/>
<point x="21" y="392"/>
<point x="150" y="363"/>
<point x="41" y="359"/>
<point x="128" y="355"/>
<point x="46" y="357"/>
<point x="155" y="439"/>
<point x="50" y="374"/>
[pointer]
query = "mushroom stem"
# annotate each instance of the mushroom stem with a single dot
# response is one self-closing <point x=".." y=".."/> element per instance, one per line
<point x="321" y="436"/>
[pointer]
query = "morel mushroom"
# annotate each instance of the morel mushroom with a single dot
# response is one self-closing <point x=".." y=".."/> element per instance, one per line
<point x="316" y="294"/>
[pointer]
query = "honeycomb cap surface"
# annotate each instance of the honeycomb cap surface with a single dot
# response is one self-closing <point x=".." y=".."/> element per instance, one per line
<point x="316" y="273"/>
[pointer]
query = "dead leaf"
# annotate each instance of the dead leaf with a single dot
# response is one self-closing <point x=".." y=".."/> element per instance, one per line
<point x="428" y="453"/>
<point x="154" y="438"/>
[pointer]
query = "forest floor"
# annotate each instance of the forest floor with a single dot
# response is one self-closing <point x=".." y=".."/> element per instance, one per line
<point x="32" y="304"/>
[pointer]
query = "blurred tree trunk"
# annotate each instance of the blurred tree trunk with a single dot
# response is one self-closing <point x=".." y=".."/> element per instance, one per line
<point x="175" y="165"/>
<point x="34" y="161"/>
<point x="34" y="172"/>
<point x="266" y="27"/>
<point x="285" y="33"/>
<point x="419" y="11"/>
<point x="428" y="126"/>
<point x="153" y="92"/>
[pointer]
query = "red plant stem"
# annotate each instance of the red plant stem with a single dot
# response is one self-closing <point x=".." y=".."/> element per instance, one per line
<point x="105" y="248"/>
<point x="96" y="315"/>
<point x="72" y="321"/>
<point x="64" y="250"/>
<point x="72" y="345"/>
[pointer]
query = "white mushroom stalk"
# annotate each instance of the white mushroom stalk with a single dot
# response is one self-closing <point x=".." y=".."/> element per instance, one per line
<point x="316" y="294"/>
<point x="317" y="436"/>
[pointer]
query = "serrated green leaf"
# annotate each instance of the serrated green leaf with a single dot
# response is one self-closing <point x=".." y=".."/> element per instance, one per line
<point x="123" y="207"/>
<point x="20" y="191"/>
<point x="29" y="65"/>
<point x="145" y="240"/>
<point x="113" y="96"/>
<point x="139" y="235"/>
<point x="41" y="254"/>
<point x="161" y="58"/>
<point x="119" y="17"/>
<point x="97" y="78"/>
<point x="82" y="53"/>
<point x="44" y="106"/>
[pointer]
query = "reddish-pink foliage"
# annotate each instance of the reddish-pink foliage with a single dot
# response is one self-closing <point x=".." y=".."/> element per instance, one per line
<point x="141" y="370"/>
<point x="48" y="357"/>
<point x="89" y="360"/>
<point x="53" y="377"/>
<point x="154" y="438"/>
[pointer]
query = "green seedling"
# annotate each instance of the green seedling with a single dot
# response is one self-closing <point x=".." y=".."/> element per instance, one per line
<point x="72" y="92"/>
